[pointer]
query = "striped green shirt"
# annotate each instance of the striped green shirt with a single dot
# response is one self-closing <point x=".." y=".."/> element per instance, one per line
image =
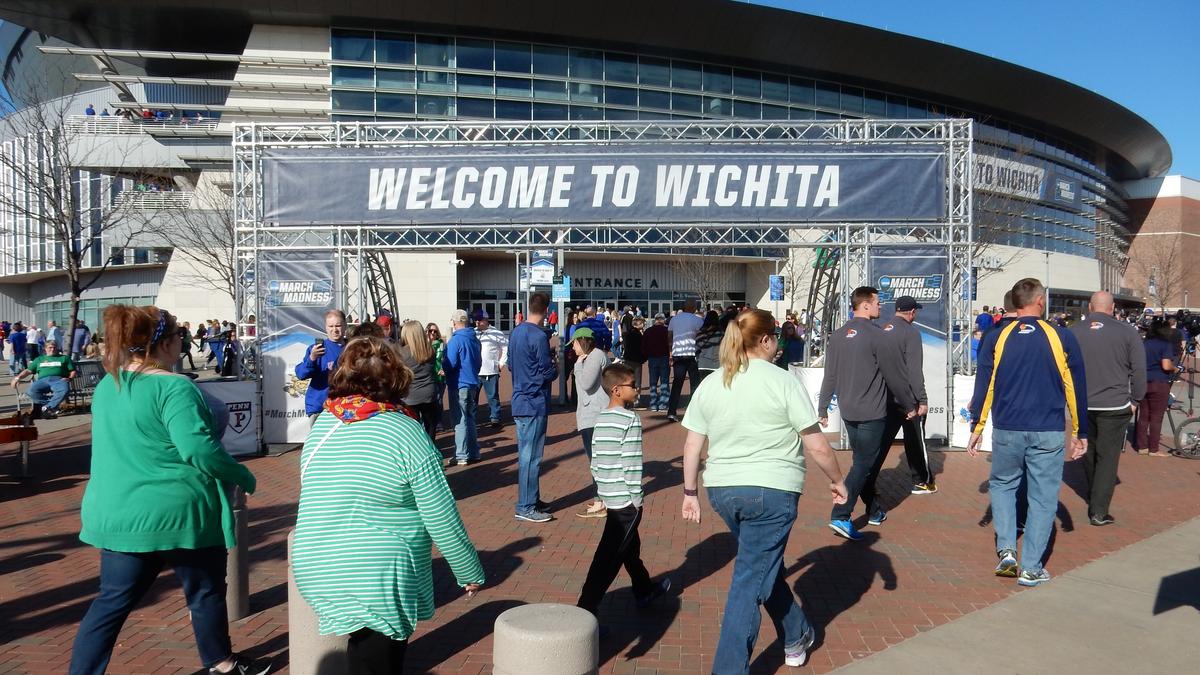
<point x="373" y="499"/>
<point x="617" y="458"/>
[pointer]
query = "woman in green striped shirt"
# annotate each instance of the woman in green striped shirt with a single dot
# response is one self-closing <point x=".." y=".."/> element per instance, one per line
<point x="373" y="499"/>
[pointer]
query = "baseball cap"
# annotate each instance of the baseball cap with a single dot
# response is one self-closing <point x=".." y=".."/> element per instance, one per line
<point x="458" y="316"/>
<point x="583" y="333"/>
<point x="906" y="303"/>
<point x="481" y="315"/>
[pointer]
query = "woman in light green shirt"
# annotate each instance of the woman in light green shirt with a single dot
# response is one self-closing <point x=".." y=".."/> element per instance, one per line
<point x="758" y="420"/>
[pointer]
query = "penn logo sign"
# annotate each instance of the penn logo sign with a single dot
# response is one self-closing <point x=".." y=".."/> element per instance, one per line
<point x="925" y="289"/>
<point x="299" y="293"/>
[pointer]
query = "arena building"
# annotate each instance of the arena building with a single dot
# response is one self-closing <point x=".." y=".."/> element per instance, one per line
<point x="1053" y="160"/>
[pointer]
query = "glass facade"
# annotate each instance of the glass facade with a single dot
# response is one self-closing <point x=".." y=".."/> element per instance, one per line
<point x="394" y="76"/>
<point x="90" y="311"/>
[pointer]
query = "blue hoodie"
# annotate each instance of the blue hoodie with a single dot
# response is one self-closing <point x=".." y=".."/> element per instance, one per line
<point x="462" y="360"/>
<point x="600" y="330"/>
<point x="318" y="375"/>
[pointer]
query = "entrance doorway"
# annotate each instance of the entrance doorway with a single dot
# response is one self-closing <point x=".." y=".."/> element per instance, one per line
<point x="656" y="306"/>
<point x="502" y="313"/>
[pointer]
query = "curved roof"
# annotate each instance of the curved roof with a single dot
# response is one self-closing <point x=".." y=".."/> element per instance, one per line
<point x="713" y="29"/>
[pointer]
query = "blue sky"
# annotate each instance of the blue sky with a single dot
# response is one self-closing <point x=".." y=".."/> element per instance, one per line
<point x="1143" y="55"/>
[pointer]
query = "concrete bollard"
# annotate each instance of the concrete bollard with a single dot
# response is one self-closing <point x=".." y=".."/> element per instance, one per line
<point x="309" y="652"/>
<point x="546" y="639"/>
<point x="237" y="565"/>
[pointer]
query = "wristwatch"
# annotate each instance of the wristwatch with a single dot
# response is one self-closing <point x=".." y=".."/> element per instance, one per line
<point x="690" y="493"/>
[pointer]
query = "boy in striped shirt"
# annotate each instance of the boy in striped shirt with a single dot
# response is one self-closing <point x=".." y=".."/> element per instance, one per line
<point x="617" y="469"/>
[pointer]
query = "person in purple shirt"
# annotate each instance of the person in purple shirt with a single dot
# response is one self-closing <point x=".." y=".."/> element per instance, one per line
<point x="461" y="365"/>
<point x="532" y="371"/>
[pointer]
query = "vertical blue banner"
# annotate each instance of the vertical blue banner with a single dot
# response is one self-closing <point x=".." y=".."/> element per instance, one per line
<point x="776" y="287"/>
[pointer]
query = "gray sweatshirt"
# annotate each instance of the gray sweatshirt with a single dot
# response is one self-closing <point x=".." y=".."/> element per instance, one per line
<point x="860" y="361"/>
<point x="908" y="340"/>
<point x="1114" y="360"/>
<point x="589" y="383"/>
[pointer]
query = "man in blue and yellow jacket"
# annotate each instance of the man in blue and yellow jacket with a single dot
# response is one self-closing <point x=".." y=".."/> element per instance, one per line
<point x="1030" y="381"/>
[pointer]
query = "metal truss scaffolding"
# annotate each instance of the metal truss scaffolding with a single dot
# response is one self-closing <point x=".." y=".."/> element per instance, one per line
<point x="847" y="244"/>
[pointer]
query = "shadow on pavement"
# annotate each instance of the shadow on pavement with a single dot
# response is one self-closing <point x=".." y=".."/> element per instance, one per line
<point x="1178" y="590"/>
<point x="835" y="578"/>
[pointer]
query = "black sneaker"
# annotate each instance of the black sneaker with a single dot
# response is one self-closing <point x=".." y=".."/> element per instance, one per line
<point x="660" y="589"/>
<point x="496" y="424"/>
<point x="48" y="414"/>
<point x="243" y="665"/>
<point x="1101" y="521"/>
<point x="542" y="506"/>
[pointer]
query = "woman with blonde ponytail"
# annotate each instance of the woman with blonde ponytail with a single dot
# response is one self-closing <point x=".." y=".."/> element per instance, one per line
<point x="759" y="423"/>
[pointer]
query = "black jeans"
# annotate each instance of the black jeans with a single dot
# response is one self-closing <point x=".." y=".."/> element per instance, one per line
<point x="124" y="580"/>
<point x="914" y="443"/>
<point x="371" y="653"/>
<point x="866" y="440"/>
<point x="1106" y="438"/>
<point x="684" y="365"/>
<point x="619" y="546"/>
<point x="431" y="414"/>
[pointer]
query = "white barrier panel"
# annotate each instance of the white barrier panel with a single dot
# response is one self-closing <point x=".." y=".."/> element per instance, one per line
<point x="964" y="387"/>
<point x="810" y="379"/>
<point x="240" y="430"/>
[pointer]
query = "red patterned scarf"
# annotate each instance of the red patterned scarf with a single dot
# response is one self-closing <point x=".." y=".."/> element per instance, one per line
<point x="358" y="408"/>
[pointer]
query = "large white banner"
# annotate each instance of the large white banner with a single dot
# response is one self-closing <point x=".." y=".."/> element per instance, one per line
<point x="811" y="378"/>
<point x="234" y="408"/>
<point x="960" y="433"/>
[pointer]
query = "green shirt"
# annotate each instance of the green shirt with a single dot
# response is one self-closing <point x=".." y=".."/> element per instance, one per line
<point x="752" y="427"/>
<point x="373" y="501"/>
<point x="45" y="365"/>
<point x="159" y="473"/>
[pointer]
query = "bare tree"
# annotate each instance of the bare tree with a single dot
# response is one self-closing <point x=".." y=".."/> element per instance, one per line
<point x="202" y="233"/>
<point x="1160" y="267"/>
<point x="703" y="273"/>
<point x="57" y="194"/>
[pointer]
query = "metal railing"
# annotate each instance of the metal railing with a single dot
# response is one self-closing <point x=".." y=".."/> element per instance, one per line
<point x="96" y="124"/>
<point x="175" y="199"/>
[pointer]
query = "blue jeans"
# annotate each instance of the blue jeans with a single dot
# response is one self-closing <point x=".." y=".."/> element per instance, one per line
<point x="124" y="580"/>
<point x="1036" y="456"/>
<point x="50" y="391"/>
<point x="866" y="440"/>
<point x="531" y="441"/>
<point x="660" y="382"/>
<point x="18" y="362"/>
<point x="463" y="407"/>
<point x="491" y="388"/>
<point x="761" y="519"/>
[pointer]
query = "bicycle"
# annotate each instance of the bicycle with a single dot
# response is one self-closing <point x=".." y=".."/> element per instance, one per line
<point x="1187" y="432"/>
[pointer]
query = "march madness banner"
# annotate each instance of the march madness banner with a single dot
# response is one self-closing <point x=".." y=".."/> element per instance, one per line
<point x="923" y="273"/>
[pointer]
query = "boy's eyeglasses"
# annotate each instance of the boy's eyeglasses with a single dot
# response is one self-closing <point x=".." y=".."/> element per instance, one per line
<point x="625" y="384"/>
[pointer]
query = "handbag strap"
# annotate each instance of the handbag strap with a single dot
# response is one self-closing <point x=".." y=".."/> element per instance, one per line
<point x="320" y="443"/>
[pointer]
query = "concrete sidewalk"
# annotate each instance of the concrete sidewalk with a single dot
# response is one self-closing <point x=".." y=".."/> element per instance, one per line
<point x="1135" y="611"/>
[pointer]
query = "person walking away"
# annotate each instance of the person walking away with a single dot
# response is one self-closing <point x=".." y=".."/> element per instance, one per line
<point x="589" y="368"/>
<point x="708" y="344"/>
<point x="493" y="355"/>
<point x="80" y="339"/>
<point x="1114" y="360"/>
<point x="319" y="360"/>
<point x="907" y="339"/>
<point x="35" y="340"/>
<point x="1160" y="351"/>
<point x="616" y="467"/>
<point x="863" y="368"/>
<point x="682" y="336"/>
<point x="532" y="371"/>
<point x="985" y="320"/>
<point x="1030" y="378"/>
<point x="759" y="424"/>
<point x="53" y="373"/>
<point x="656" y="345"/>
<point x="418" y="355"/>
<point x="439" y="354"/>
<point x="461" y="365"/>
<point x="18" y="339"/>
<point x="185" y="339"/>
<point x="158" y="493"/>
<point x="55" y="334"/>
<point x="373" y="502"/>
<point x="635" y="357"/>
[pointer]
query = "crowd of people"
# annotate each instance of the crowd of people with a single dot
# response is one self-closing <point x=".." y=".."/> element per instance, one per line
<point x="374" y="497"/>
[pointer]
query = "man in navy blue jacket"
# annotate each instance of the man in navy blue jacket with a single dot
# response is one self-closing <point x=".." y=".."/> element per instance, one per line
<point x="532" y="372"/>
<point x="461" y="364"/>
<point x="1031" y="378"/>
<point x="319" y="361"/>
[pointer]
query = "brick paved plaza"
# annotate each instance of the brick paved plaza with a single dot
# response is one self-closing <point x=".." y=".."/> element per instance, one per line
<point x="928" y="565"/>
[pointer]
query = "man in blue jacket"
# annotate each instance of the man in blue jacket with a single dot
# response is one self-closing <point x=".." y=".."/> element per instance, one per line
<point x="532" y="371"/>
<point x="319" y="361"/>
<point x="461" y="364"/>
<point x="1031" y="377"/>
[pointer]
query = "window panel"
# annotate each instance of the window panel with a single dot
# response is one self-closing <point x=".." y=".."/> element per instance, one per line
<point x="718" y="80"/>
<point x="747" y="83"/>
<point x="875" y="105"/>
<point x="828" y="95"/>
<point x="513" y="57"/>
<point x="620" y="68"/>
<point x="512" y="110"/>
<point x="686" y="103"/>
<point x="549" y="111"/>
<point x="751" y="110"/>
<point x="654" y="72"/>
<point x="620" y="114"/>
<point x="353" y="100"/>
<point x="587" y="64"/>
<point x="435" y="105"/>
<point x="395" y="79"/>
<point x="352" y="45"/>
<point x="587" y="112"/>
<point x="346" y="76"/>
<point x="801" y="113"/>
<point x="393" y="48"/>
<point x="396" y="103"/>
<point x="774" y="112"/>
<point x="852" y="100"/>
<point x="801" y="91"/>
<point x="474" y="54"/>
<point x="476" y="84"/>
<point x="513" y="86"/>
<point x="620" y="96"/>
<point x="435" y="51"/>
<point x="477" y="108"/>
<point x="655" y="99"/>
<point x="553" y="89"/>
<point x="718" y="106"/>
<point x="685" y="75"/>
<point x="428" y="80"/>
<point x="549" y="60"/>
<point x="897" y="107"/>
<point x="775" y="87"/>
<point x="588" y="93"/>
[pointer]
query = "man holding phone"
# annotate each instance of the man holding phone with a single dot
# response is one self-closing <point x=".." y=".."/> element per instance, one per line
<point x="319" y="361"/>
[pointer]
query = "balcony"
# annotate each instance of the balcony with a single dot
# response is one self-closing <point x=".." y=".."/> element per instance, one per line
<point x="155" y="201"/>
<point x="119" y="126"/>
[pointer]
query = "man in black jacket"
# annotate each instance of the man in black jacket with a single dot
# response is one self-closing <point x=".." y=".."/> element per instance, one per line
<point x="907" y="338"/>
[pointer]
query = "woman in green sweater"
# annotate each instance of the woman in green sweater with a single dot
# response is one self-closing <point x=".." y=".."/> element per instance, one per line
<point x="373" y="501"/>
<point x="158" y="493"/>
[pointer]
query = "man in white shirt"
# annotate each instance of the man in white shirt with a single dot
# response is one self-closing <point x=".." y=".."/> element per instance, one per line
<point x="493" y="355"/>
<point x="681" y="331"/>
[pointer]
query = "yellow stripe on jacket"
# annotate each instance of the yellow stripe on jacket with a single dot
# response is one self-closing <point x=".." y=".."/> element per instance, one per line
<point x="1060" y="359"/>
<point x="991" y="390"/>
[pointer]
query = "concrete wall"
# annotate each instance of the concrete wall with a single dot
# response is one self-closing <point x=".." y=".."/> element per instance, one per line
<point x="282" y="42"/>
<point x="1064" y="271"/>
<point x="15" y="304"/>
<point x="426" y="285"/>
<point x="189" y="293"/>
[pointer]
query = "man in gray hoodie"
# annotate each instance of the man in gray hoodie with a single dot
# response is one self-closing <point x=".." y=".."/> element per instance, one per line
<point x="1115" y="363"/>
<point x="863" y="368"/>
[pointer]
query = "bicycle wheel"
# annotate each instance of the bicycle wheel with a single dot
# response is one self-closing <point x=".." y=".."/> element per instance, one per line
<point x="1187" y="438"/>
